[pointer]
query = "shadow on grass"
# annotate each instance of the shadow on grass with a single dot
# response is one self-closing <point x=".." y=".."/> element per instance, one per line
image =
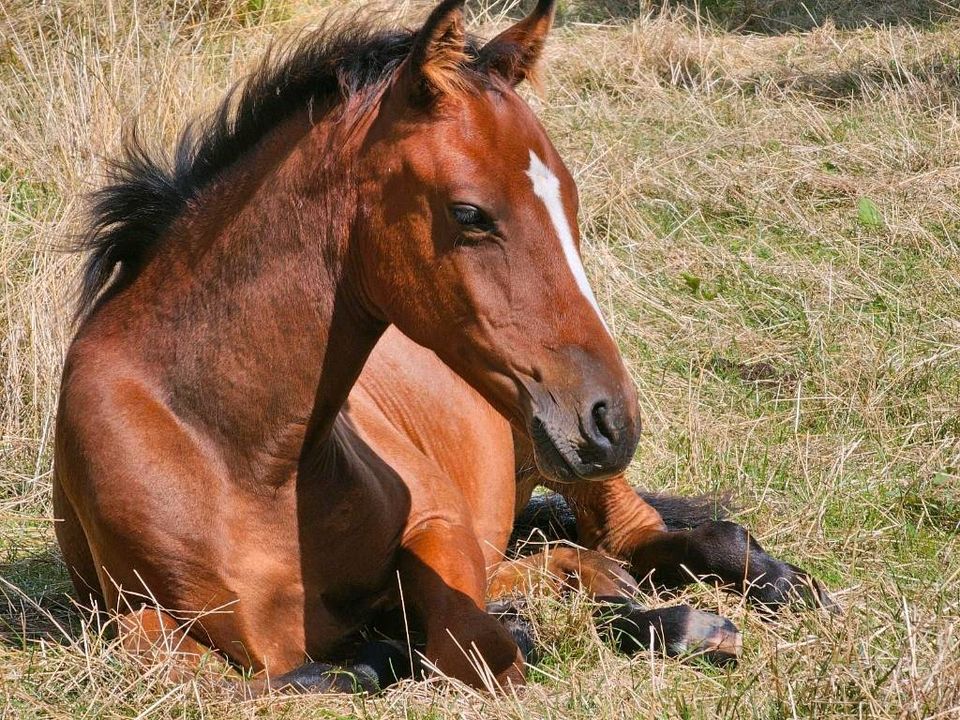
<point x="940" y="73"/>
<point x="934" y="80"/>
<point x="768" y="17"/>
<point x="35" y="602"/>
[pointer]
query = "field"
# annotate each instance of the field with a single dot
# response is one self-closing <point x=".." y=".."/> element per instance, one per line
<point x="771" y="214"/>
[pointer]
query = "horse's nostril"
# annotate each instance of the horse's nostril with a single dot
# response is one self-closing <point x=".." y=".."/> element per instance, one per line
<point x="601" y="421"/>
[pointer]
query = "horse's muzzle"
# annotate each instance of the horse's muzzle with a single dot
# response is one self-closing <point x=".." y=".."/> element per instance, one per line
<point x="598" y="444"/>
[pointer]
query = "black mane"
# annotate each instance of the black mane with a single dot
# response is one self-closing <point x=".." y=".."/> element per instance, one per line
<point x="145" y="192"/>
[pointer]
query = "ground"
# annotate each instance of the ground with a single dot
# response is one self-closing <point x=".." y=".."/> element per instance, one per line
<point x="771" y="213"/>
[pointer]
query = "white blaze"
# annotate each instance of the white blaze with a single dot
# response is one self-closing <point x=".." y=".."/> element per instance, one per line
<point x="546" y="186"/>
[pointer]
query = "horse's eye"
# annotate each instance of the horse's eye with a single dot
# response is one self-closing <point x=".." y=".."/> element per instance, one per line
<point x="470" y="216"/>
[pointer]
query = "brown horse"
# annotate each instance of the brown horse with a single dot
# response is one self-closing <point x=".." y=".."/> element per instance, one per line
<point x="207" y="457"/>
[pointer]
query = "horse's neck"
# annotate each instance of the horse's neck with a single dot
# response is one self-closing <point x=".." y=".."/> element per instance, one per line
<point x="271" y="333"/>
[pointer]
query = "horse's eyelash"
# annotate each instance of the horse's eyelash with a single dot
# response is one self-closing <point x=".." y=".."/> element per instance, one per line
<point x="475" y="236"/>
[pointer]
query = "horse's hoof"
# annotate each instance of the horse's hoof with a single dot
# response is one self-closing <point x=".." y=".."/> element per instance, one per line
<point x="826" y="602"/>
<point x="793" y="587"/>
<point x="381" y="663"/>
<point x="812" y="594"/>
<point x="678" y="631"/>
<point x="707" y="636"/>
<point x="817" y="597"/>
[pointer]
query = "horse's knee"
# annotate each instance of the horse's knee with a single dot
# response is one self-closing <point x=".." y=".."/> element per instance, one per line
<point x="443" y="573"/>
<point x="475" y="648"/>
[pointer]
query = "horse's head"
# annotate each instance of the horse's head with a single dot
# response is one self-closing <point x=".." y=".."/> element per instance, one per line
<point x="474" y="219"/>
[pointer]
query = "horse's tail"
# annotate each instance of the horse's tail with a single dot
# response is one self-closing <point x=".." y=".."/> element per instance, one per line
<point x="548" y="518"/>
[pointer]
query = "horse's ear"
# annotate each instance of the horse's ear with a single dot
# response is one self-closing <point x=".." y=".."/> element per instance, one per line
<point x="514" y="53"/>
<point x="439" y="51"/>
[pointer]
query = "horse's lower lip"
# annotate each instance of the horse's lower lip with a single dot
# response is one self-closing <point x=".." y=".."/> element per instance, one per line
<point x="546" y="452"/>
<point x="560" y="469"/>
<point x="568" y="474"/>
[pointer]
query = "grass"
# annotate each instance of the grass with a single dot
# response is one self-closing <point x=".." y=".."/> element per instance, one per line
<point x="772" y="223"/>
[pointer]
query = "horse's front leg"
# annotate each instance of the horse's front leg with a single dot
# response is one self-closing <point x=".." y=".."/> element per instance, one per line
<point x="613" y="518"/>
<point x="726" y="553"/>
<point x="678" y="631"/>
<point x="443" y="580"/>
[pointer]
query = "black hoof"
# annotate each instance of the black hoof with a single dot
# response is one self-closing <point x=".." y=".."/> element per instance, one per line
<point x="317" y="677"/>
<point x="787" y="585"/>
<point x="678" y="631"/>
<point x="378" y="665"/>
<point x="387" y="661"/>
<point x="520" y="628"/>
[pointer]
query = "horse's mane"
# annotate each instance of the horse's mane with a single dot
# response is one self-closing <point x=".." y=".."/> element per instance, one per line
<point x="146" y="191"/>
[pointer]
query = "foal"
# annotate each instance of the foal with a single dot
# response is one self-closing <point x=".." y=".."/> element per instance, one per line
<point x="202" y="460"/>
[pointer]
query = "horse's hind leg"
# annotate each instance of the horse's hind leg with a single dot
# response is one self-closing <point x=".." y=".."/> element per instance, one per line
<point x="76" y="551"/>
<point x="675" y="631"/>
<point x="158" y="639"/>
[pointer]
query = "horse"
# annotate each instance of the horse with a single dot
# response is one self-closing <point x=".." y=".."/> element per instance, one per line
<point x="221" y="476"/>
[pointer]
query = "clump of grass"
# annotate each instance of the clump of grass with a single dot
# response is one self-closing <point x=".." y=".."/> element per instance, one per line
<point x="771" y="222"/>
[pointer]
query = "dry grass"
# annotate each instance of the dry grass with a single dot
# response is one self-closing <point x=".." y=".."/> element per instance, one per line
<point x="773" y="225"/>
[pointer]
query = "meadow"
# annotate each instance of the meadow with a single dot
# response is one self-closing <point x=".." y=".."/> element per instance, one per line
<point x="771" y="219"/>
